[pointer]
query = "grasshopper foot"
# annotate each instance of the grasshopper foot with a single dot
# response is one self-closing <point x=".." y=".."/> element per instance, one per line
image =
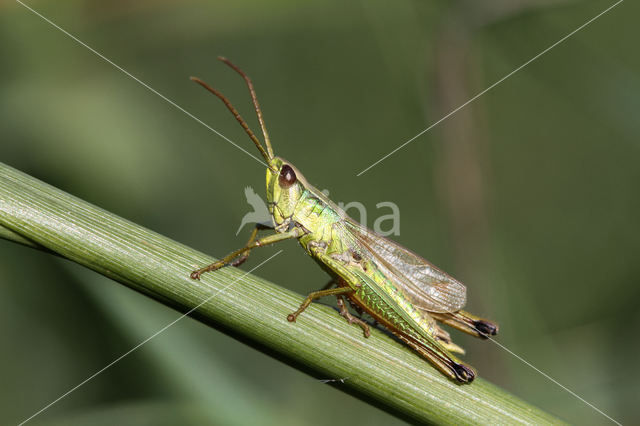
<point x="463" y="373"/>
<point x="195" y="275"/>
<point x="353" y="320"/>
<point x="362" y="324"/>
<point x="486" y="328"/>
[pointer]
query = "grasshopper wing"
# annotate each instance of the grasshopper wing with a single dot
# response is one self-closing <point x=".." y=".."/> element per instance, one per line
<point x="429" y="288"/>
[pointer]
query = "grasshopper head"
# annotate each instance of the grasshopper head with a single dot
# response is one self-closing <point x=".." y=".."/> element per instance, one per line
<point x="284" y="189"/>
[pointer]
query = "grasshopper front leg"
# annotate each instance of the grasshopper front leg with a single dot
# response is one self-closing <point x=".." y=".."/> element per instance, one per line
<point x="243" y="253"/>
<point x="243" y="258"/>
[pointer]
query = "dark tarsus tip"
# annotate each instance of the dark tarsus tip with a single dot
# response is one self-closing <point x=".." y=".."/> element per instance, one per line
<point x="291" y="318"/>
<point x="195" y="275"/>
<point x="464" y="374"/>
<point x="486" y="328"/>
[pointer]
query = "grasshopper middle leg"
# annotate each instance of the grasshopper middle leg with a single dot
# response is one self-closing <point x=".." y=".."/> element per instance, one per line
<point x="316" y="295"/>
<point x="350" y="318"/>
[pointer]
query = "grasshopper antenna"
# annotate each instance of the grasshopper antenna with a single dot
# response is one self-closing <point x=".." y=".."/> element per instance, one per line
<point x="255" y="102"/>
<point x="238" y="117"/>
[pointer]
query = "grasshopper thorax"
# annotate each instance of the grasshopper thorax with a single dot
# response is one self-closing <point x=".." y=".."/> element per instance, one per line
<point x="285" y="186"/>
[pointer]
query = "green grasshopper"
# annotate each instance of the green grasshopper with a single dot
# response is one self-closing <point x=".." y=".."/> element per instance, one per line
<point x="397" y="288"/>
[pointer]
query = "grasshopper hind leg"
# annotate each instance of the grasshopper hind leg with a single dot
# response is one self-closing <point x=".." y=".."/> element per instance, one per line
<point x="468" y="323"/>
<point x="445" y="340"/>
<point x="447" y="364"/>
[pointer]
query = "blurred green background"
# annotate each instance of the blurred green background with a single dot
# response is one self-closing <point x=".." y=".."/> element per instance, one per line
<point x="529" y="195"/>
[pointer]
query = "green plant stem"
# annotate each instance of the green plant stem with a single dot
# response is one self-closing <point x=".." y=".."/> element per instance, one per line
<point x="379" y="369"/>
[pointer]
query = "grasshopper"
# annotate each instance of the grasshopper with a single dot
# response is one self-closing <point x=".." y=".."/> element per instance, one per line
<point x="397" y="288"/>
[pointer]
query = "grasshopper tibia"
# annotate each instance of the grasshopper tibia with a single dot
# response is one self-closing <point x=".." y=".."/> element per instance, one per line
<point x="444" y="362"/>
<point x="350" y="318"/>
<point x="469" y="323"/>
<point x="316" y="295"/>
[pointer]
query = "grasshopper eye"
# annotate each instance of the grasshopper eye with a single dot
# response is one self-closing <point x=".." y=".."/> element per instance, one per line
<point x="287" y="176"/>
